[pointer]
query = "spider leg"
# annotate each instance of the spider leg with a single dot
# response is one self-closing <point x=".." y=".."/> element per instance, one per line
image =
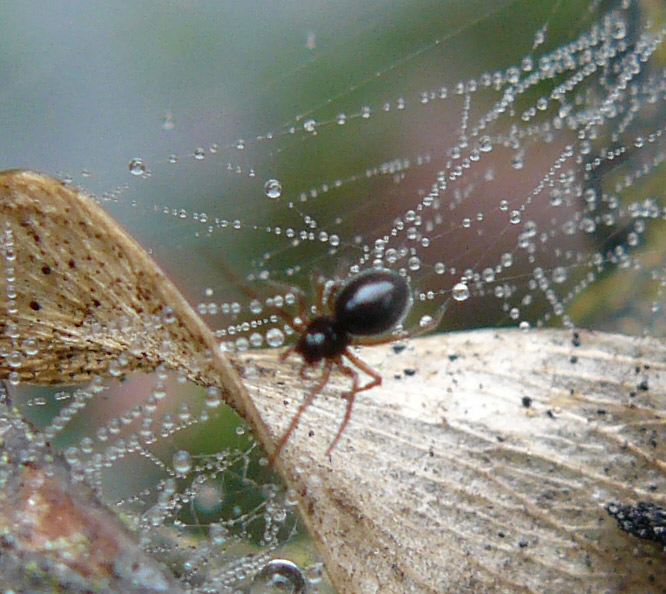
<point x="301" y="302"/>
<point x="318" y="284"/>
<point x="328" y="366"/>
<point x="285" y="354"/>
<point x="349" y="396"/>
<point x="302" y="371"/>
<point x="248" y="291"/>
<point x="325" y="301"/>
<point x="365" y="368"/>
<point x="330" y="301"/>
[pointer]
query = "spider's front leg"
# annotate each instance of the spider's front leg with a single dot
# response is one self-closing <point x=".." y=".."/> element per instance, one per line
<point x="318" y="387"/>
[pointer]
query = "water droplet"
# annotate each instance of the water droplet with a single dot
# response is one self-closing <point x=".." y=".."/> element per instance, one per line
<point x="182" y="462"/>
<point x="275" y="337"/>
<point x="559" y="274"/>
<point x="199" y="153"/>
<point x="425" y="321"/>
<point x="256" y="340"/>
<point x="30" y="347"/>
<point x="539" y="37"/>
<point x="208" y="498"/>
<point x="279" y="576"/>
<point x="414" y="263"/>
<point x="273" y="188"/>
<point x="213" y="398"/>
<point x="619" y="30"/>
<point x="460" y="292"/>
<point x="137" y="166"/>
<point x="167" y="122"/>
<point x="218" y="534"/>
<point x="485" y="144"/>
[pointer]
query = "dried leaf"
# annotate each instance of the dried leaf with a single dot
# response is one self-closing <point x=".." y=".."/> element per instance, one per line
<point x="445" y="481"/>
<point x="483" y="463"/>
<point x="89" y="300"/>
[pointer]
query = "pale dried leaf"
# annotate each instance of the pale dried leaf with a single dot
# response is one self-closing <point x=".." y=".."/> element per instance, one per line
<point x="445" y="482"/>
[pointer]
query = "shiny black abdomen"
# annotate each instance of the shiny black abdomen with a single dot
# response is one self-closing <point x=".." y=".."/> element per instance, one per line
<point x="372" y="302"/>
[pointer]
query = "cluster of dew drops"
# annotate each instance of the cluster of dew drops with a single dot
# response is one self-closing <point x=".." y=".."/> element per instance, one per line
<point x="192" y="487"/>
<point x="602" y="54"/>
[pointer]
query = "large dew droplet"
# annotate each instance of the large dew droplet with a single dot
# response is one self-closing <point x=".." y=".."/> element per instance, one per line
<point x="182" y="462"/>
<point x="273" y="188"/>
<point x="279" y="576"/>
<point x="275" y="337"/>
<point x="137" y="167"/>
<point x="460" y="292"/>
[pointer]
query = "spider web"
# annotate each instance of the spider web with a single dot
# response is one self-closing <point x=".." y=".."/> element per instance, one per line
<point x="506" y="157"/>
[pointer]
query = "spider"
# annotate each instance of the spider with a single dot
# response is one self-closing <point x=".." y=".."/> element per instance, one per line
<point x="361" y="310"/>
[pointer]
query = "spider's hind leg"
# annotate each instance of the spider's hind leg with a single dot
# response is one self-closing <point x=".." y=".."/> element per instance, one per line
<point x="349" y="396"/>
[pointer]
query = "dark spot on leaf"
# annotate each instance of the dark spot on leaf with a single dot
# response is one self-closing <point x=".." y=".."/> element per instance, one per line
<point x="643" y="519"/>
<point x="46" y="269"/>
<point x="35" y="306"/>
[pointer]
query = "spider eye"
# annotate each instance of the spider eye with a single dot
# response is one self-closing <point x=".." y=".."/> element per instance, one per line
<point x="372" y="302"/>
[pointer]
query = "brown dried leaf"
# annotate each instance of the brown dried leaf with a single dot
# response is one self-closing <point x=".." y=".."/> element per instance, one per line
<point x="90" y="297"/>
